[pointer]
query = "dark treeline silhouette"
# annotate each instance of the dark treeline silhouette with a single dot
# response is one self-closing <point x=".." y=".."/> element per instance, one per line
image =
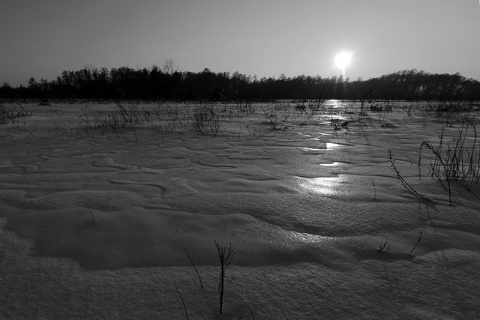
<point x="167" y="84"/>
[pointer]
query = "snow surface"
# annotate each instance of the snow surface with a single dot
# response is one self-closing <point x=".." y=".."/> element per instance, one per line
<point x="95" y="225"/>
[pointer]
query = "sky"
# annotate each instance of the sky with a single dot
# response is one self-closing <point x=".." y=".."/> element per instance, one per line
<point x="265" y="38"/>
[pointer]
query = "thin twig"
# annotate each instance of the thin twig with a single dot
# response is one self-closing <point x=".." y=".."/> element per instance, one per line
<point x="193" y="264"/>
<point x="183" y="302"/>
<point x="416" y="244"/>
<point x="405" y="184"/>
<point x="93" y="217"/>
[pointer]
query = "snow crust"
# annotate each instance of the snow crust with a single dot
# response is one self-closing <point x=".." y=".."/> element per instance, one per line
<point x="97" y="227"/>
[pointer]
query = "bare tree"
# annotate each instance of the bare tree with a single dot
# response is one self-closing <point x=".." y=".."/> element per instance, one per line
<point x="169" y="67"/>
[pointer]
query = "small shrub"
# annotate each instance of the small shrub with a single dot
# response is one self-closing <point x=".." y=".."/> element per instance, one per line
<point x="10" y="116"/>
<point x="458" y="160"/>
<point x="206" y="120"/>
<point x="225" y="256"/>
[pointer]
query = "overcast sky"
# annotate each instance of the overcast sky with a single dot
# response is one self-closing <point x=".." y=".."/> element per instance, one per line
<point x="41" y="38"/>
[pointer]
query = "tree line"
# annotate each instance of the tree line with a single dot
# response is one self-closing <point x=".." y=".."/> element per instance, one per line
<point x="166" y="83"/>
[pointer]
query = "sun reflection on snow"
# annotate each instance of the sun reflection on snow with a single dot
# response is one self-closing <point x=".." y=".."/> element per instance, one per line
<point x="306" y="149"/>
<point x="331" y="145"/>
<point x="333" y="164"/>
<point x="333" y="103"/>
<point x="325" y="186"/>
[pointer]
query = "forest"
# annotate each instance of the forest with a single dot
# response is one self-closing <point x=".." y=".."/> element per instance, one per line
<point x="167" y="83"/>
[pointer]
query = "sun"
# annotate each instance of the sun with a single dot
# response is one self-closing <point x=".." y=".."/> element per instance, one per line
<point x="342" y="60"/>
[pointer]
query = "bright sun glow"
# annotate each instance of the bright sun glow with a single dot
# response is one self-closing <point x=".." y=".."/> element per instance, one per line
<point x="342" y="60"/>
